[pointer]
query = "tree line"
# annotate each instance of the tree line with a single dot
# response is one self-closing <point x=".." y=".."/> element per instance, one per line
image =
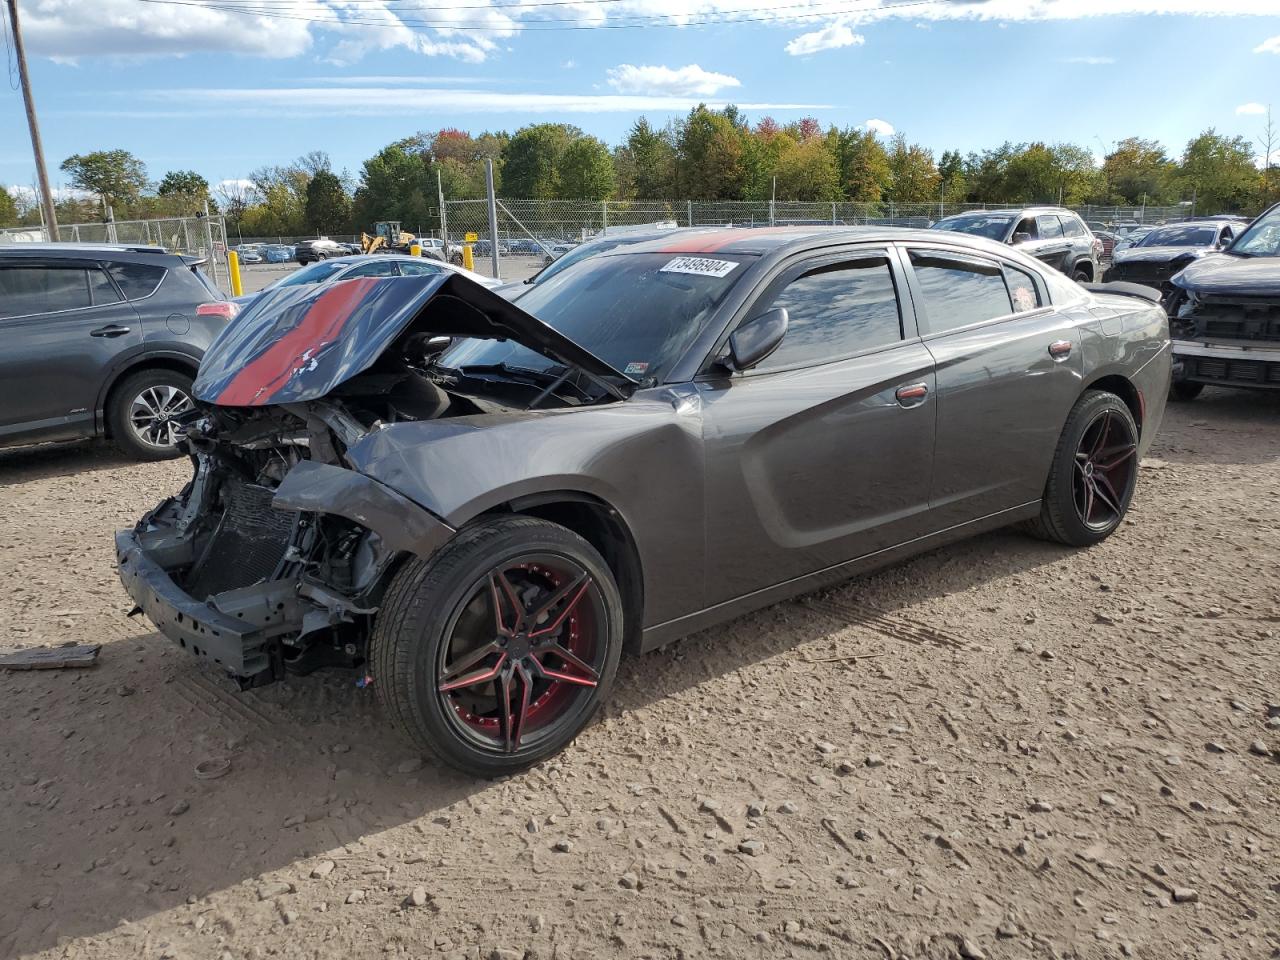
<point x="706" y="155"/>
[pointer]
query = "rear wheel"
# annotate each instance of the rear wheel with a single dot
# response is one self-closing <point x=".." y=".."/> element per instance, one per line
<point x="1186" y="390"/>
<point x="143" y="412"/>
<point x="495" y="653"/>
<point x="1095" y="469"/>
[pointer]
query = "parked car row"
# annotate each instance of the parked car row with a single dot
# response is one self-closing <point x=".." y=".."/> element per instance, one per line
<point x="265" y="252"/>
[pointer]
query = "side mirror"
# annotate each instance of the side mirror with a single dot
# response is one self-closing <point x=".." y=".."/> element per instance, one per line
<point x="752" y="342"/>
<point x="436" y="346"/>
<point x="1020" y="238"/>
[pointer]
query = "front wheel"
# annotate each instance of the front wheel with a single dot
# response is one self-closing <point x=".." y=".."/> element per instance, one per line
<point x="1082" y="275"/>
<point x="495" y="653"/>
<point x="1094" y="471"/>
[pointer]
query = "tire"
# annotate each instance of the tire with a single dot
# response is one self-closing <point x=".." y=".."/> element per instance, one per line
<point x="430" y="637"/>
<point x="1186" y="390"/>
<point x="1082" y="275"/>
<point x="159" y="394"/>
<point x="1099" y="443"/>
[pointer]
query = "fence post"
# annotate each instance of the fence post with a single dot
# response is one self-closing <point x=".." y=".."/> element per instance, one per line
<point x="604" y="214"/>
<point x="690" y="206"/>
<point x="111" y="225"/>
<point x="208" y="238"/>
<point x="444" y="216"/>
<point x="833" y="214"/>
<point x="493" y="219"/>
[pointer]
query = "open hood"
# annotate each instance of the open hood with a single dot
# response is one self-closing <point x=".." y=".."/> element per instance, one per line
<point x="299" y="343"/>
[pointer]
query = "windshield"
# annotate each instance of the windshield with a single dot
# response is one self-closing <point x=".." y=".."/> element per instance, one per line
<point x="993" y="226"/>
<point x="1262" y="239"/>
<point x="316" y="272"/>
<point x="1180" y="237"/>
<point x="577" y="253"/>
<point x="636" y="312"/>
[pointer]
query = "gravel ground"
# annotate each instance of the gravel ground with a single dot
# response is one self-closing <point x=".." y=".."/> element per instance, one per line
<point x="1002" y="749"/>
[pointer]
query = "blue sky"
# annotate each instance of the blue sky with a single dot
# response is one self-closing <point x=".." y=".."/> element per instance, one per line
<point x="187" y="84"/>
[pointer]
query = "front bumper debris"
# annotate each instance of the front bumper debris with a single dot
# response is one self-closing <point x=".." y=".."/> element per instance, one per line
<point x="1232" y="366"/>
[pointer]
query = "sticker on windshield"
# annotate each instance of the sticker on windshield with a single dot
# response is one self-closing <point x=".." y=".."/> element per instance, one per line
<point x="701" y="266"/>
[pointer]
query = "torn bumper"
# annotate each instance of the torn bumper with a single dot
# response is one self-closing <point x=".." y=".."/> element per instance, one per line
<point x="233" y="629"/>
<point x="1232" y="366"/>
<point x="238" y="628"/>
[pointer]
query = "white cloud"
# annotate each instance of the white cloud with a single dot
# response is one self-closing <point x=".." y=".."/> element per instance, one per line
<point x="408" y="100"/>
<point x="831" y="37"/>
<point x="1268" y="46"/>
<point x="1250" y="109"/>
<point x="689" y="81"/>
<point x="568" y="65"/>
<point x="1090" y="61"/>
<point x="881" y="128"/>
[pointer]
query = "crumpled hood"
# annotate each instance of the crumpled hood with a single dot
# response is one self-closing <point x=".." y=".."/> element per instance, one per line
<point x="299" y="343"/>
<point x="1224" y="275"/>
<point x="1158" y="254"/>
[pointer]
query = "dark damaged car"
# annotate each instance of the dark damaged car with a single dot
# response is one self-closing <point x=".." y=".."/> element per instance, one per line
<point x="1224" y="312"/>
<point x="654" y="441"/>
<point x="1166" y="251"/>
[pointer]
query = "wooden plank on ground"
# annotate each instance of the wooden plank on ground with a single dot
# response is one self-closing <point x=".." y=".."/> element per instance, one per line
<point x="51" y="658"/>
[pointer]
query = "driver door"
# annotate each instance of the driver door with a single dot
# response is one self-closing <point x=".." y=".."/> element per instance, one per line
<point x="824" y="451"/>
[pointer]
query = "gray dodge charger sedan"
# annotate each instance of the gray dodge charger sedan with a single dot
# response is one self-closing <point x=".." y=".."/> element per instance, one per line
<point x="479" y="506"/>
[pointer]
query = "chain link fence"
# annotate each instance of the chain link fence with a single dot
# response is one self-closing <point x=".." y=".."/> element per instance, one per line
<point x="194" y="236"/>
<point x="533" y="232"/>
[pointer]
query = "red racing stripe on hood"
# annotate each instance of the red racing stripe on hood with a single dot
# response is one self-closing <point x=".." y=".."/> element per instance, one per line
<point x="259" y="379"/>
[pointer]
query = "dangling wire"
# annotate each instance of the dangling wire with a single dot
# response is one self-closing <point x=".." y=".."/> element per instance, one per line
<point x="10" y="57"/>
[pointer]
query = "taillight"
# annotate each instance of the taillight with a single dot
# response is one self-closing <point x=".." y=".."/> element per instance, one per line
<point x="224" y="309"/>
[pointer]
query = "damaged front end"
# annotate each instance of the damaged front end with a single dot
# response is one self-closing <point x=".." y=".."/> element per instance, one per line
<point x="275" y="556"/>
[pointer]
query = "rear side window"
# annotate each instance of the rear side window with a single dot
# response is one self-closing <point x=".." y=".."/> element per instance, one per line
<point x="137" y="280"/>
<point x="1072" y="227"/>
<point x="959" y="291"/>
<point x="1022" y="289"/>
<point x="1050" y="228"/>
<point x="835" y="311"/>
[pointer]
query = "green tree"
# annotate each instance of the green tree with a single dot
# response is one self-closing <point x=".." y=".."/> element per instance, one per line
<point x="185" y="183"/>
<point x="709" y="156"/>
<point x="808" y="172"/>
<point x="863" y="164"/>
<point x="586" y="171"/>
<point x="653" y="161"/>
<point x="1138" y="171"/>
<point x="913" y="174"/>
<point x="9" y="215"/>
<point x="951" y="170"/>
<point x="394" y="184"/>
<point x="1220" y="173"/>
<point x="115" y="176"/>
<point x="328" y="208"/>
<point x="762" y="152"/>
<point x="531" y="162"/>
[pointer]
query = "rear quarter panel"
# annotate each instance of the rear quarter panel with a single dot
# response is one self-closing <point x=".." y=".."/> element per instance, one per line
<point x="1132" y="341"/>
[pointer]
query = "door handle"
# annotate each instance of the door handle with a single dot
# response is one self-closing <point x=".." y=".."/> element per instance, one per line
<point x="110" y="330"/>
<point x="1060" y="349"/>
<point x="912" y="395"/>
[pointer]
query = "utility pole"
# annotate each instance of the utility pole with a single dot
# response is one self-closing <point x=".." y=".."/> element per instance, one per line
<point x="42" y="175"/>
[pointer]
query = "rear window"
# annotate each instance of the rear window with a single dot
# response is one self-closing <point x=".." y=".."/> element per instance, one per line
<point x="137" y="280"/>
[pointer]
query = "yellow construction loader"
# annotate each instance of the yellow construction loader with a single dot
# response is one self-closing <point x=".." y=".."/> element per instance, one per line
<point x="387" y="237"/>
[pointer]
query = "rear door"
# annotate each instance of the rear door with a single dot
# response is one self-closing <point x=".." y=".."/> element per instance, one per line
<point x="63" y="322"/>
<point x="1054" y="248"/>
<point x="1008" y="370"/>
<point x="823" y="452"/>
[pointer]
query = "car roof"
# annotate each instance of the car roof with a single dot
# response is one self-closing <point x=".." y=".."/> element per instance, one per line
<point x="71" y="249"/>
<point x="767" y="240"/>
<point x="1012" y="212"/>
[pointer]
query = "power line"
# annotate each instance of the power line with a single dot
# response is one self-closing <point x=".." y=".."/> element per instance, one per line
<point x="634" y="22"/>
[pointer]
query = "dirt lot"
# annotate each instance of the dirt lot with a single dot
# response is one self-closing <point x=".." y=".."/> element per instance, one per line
<point x="1002" y="749"/>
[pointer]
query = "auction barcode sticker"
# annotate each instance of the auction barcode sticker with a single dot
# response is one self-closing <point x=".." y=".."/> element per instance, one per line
<point x="701" y="266"/>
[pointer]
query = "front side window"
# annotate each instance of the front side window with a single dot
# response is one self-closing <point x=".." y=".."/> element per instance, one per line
<point x="421" y="268"/>
<point x="43" y="289"/>
<point x="1026" y="231"/>
<point x="381" y="268"/>
<point x="317" y="272"/>
<point x="137" y="280"/>
<point x="959" y="291"/>
<point x="1050" y="227"/>
<point x="836" y="311"/>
